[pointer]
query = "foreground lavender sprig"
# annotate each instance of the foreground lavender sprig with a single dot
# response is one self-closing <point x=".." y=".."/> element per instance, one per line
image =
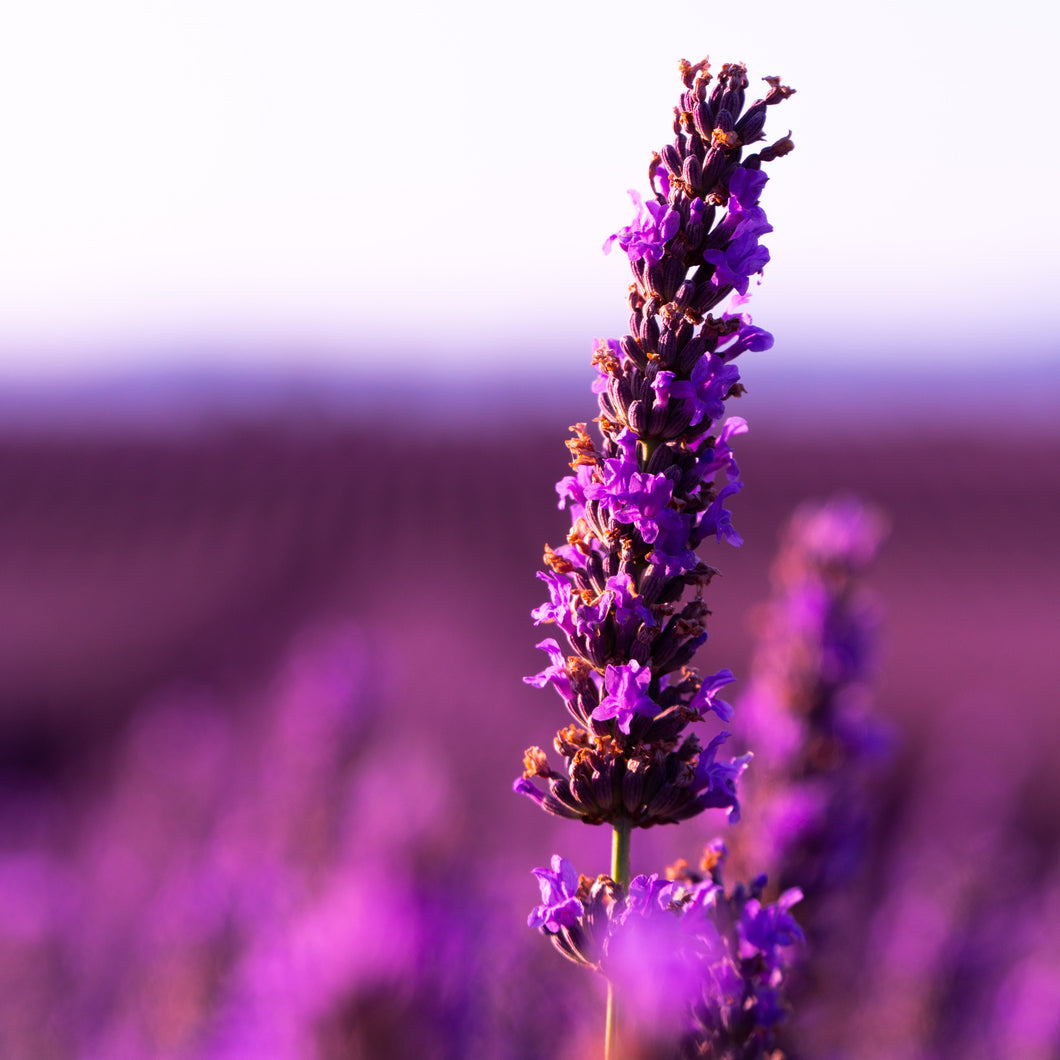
<point x="626" y="590"/>
<point x="702" y="967"/>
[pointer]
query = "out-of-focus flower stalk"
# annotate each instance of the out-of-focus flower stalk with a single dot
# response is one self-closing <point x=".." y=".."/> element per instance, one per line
<point x="807" y="713"/>
<point x="807" y="709"/>
<point x="626" y="589"/>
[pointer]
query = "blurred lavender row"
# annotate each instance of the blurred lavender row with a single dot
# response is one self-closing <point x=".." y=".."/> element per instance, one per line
<point x="248" y="809"/>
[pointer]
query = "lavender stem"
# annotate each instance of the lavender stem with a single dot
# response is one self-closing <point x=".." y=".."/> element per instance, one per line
<point x="620" y="873"/>
<point x="611" y="1033"/>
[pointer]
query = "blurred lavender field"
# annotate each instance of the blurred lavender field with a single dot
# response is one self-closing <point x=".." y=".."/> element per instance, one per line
<point x="261" y="708"/>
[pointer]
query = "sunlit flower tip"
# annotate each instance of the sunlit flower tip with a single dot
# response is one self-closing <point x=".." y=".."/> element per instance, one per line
<point x="607" y="354"/>
<point x="560" y="906"/>
<point x="535" y="764"/>
<point x="654" y="224"/>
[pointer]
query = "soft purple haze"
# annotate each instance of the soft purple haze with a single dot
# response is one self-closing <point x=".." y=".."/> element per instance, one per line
<point x="260" y="716"/>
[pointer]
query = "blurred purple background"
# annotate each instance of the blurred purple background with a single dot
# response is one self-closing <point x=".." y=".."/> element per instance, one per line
<point x="261" y="707"/>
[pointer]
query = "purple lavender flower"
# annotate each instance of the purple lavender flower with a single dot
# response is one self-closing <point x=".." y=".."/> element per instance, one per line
<point x="699" y="965"/>
<point x="626" y="589"/>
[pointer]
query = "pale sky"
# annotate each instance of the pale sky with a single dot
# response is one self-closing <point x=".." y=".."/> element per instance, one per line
<point x="248" y="178"/>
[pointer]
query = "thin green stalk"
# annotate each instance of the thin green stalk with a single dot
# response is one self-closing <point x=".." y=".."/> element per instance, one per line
<point x="620" y="854"/>
<point x="620" y="873"/>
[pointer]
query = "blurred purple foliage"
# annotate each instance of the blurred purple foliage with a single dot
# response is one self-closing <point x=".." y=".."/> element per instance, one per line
<point x="258" y="717"/>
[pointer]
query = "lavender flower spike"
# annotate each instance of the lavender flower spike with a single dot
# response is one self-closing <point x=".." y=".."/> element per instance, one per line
<point x="626" y="589"/>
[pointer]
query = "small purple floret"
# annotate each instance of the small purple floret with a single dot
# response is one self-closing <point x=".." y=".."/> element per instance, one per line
<point x="717" y="519"/>
<point x="626" y="697"/>
<point x="559" y="905"/>
<point x="716" y="780"/>
<point x="706" y="698"/>
<point x="747" y="337"/>
<point x="558" y="608"/>
<point x="745" y="186"/>
<point x="738" y="262"/>
<point x="648" y="895"/>
<point x="629" y="609"/>
<point x="712" y="379"/>
<point x="556" y="674"/>
<point x="631" y="495"/>
<point x="765" y="929"/>
<point x="653" y="226"/>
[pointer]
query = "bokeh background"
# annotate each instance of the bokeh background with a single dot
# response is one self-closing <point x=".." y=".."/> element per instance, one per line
<point x="296" y="305"/>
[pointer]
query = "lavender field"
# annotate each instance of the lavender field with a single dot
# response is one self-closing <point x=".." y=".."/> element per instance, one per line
<point x="261" y="708"/>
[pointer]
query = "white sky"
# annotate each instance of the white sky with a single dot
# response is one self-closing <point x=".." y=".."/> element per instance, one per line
<point x="247" y="177"/>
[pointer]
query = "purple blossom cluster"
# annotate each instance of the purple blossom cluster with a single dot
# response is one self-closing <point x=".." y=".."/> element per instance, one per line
<point x="703" y="965"/>
<point x="626" y="590"/>
<point x="289" y="858"/>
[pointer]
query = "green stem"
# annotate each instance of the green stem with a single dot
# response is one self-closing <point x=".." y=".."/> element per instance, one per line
<point x="611" y="1033"/>
<point x="620" y="873"/>
<point x="620" y="854"/>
